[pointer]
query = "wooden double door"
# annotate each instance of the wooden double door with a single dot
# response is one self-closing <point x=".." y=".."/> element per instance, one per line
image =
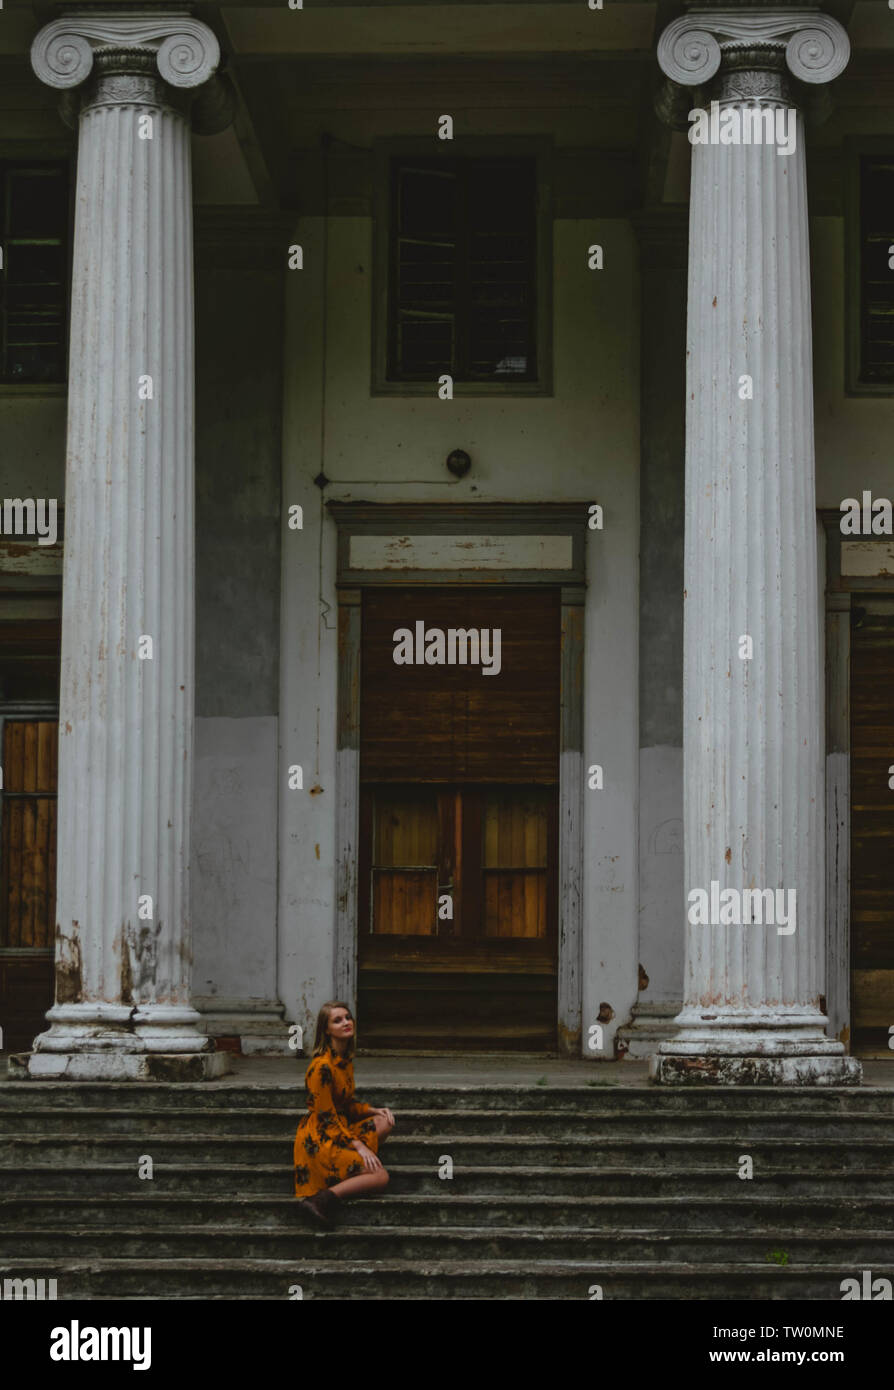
<point x="458" y="874"/>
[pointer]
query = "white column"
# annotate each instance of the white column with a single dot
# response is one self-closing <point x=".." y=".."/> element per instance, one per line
<point x="126" y="702"/>
<point x="753" y="712"/>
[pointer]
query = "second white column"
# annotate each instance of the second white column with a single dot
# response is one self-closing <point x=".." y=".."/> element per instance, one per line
<point x="753" y="713"/>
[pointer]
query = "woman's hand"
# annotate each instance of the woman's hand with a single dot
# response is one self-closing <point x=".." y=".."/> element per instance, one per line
<point x="387" y="1114"/>
<point x="371" y="1163"/>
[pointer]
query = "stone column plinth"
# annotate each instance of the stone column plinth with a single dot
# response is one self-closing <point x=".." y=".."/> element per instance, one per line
<point x="753" y="703"/>
<point x="123" y="956"/>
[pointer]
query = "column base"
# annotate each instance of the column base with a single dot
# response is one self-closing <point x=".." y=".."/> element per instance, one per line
<point x="259" y="1024"/>
<point x="118" y="1066"/>
<point x="650" y="1025"/>
<point x="722" y="1069"/>
<point x="754" y="1047"/>
<point x="121" y="1042"/>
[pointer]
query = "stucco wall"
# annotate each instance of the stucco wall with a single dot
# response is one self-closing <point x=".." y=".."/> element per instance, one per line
<point x="239" y="271"/>
<point x="853" y="433"/>
<point x="580" y="444"/>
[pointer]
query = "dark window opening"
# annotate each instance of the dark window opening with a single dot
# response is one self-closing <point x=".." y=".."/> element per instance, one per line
<point x="34" y="278"/>
<point x="876" y="275"/>
<point x="462" y="297"/>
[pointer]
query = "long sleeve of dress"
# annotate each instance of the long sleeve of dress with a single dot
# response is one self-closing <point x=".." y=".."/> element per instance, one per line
<point x="359" y="1109"/>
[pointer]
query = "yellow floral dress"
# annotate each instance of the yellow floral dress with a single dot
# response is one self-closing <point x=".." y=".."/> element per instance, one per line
<point x="324" y="1142"/>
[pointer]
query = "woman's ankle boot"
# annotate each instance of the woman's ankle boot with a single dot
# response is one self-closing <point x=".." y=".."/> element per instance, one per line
<point x="321" y="1207"/>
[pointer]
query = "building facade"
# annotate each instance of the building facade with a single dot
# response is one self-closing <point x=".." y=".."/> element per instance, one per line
<point x="451" y="416"/>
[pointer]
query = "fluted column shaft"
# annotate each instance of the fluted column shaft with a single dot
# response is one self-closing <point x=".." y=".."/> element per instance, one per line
<point x="127" y="687"/>
<point x="753" y="710"/>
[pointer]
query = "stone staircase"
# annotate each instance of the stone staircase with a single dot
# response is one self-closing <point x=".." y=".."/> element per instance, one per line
<point x="555" y="1189"/>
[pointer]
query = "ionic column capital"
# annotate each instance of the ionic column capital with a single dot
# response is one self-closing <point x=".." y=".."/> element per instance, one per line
<point x="153" y="57"/>
<point x="186" y="52"/>
<point x="813" y="46"/>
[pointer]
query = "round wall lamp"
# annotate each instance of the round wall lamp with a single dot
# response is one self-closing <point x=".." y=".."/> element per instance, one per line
<point x="459" y="463"/>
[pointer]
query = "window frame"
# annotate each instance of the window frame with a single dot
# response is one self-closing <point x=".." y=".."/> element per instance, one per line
<point x="385" y="152"/>
<point x="857" y="149"/>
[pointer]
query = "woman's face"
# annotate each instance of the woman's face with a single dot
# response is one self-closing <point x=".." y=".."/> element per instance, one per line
<point x="341" y="1025"/>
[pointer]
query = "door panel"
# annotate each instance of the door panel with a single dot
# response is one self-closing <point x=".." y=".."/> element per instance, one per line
<point x="451" y="723"/>
<point x="405" y="902"/>
<point x="516" y="837"/>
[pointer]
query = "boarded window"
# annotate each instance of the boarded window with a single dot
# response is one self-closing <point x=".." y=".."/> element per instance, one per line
<point x="876" y="276"/>
<point x="28" y="834"/>
<point x="462" y="270"/>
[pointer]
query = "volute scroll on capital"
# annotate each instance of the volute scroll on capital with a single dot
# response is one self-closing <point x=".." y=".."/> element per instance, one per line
<point x="186" y="51"/>
<point x="692" y="48"/>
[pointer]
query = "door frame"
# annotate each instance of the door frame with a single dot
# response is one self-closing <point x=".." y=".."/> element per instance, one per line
<point x="501" y="544"/>
<point x="854" y="566"/>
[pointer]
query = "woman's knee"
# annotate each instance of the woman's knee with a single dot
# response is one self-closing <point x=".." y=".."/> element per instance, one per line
<point x="383" y="1178"/>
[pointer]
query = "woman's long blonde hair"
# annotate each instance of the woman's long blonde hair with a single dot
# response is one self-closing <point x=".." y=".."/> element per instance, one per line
<point x="322" y="1039"/>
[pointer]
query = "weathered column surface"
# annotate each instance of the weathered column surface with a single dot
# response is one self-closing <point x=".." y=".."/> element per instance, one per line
<point x="123" y="956"/>
<point x="753" y="704"/>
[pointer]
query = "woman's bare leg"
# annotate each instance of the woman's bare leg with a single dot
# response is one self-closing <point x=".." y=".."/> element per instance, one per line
<point x="367" y="1182"/>
<point x="364" y="1182"/>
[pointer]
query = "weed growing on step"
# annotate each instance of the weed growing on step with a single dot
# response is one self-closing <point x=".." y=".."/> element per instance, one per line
<point x="777" y="1257"/>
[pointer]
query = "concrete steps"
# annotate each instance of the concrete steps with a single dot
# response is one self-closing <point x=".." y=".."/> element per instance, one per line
<point x="278" y="1123"/>
<point x="225" y="1243"/>
<point x="592" y="1097"/>
<point x="758" y="1213"/>
<point x="555" y="1189"/>
<point x="690" y="1181"/>
<point x="219" y="1153"/>
<point x="438" y="1279"/>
